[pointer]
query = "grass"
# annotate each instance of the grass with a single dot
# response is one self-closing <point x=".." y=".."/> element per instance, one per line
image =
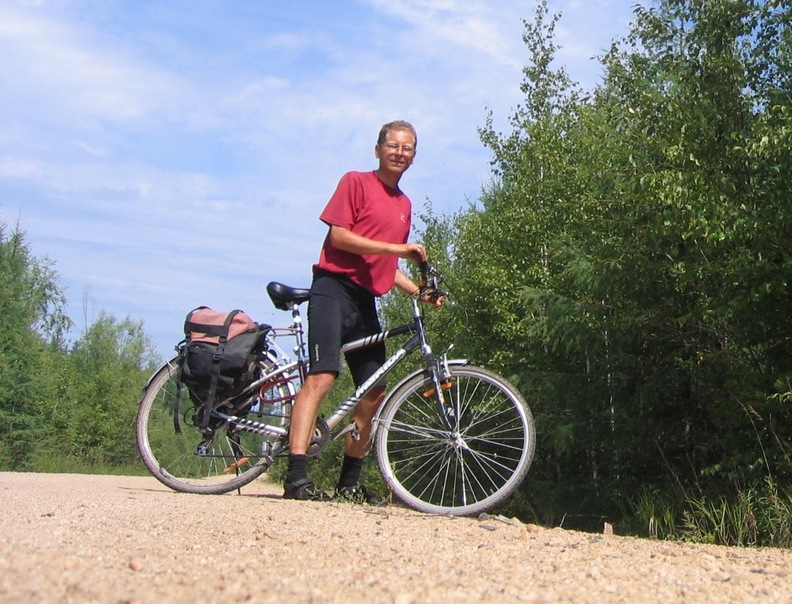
<point x="758" y="516"/>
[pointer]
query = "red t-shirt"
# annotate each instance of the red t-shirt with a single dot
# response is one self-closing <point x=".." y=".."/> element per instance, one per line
<point x="363" y="204"/>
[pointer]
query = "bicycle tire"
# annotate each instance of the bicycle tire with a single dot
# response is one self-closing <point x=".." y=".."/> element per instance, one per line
<point x="231" y="460"/>
<point x="462" y="472"/>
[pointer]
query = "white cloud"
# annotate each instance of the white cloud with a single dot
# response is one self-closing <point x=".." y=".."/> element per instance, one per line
<point x="172" y="154"/>
<point x="472" y="25"/>
<point x="54" y="67"/>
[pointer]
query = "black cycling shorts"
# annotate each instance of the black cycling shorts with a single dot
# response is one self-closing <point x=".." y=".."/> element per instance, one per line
<point x="340" y="311"/>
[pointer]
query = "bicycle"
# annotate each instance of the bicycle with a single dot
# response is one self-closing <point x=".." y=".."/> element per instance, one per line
<point x="449" y="438"/>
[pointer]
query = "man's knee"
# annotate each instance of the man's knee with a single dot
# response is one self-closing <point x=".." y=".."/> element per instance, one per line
<point x="313" y="391"/>
<point x="371" y="402"/>
<point x="320" y="382"/>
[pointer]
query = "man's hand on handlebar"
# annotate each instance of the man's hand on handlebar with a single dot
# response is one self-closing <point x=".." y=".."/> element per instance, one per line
<point x="429" y="279"/>
<point x="436" y="299"/>
<point x="429" y="291"/>
<point x="414" y="252"/>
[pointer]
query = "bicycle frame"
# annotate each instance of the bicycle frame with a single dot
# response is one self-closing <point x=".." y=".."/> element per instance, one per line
<point x="286" y="366"/>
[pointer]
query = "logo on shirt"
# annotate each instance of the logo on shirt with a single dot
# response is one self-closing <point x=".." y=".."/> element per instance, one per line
<point x="403" y="217"/>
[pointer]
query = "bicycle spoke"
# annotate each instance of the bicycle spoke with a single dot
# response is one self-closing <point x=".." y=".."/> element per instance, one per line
<point x="418" y="431"/>
<point x="468" y="470"/>
<point x="185" y="459"/>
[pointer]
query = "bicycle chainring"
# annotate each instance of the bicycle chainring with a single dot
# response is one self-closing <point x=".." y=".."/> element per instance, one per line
<point x="320" y="438"/>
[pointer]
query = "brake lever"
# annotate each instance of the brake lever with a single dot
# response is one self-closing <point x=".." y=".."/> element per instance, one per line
<point x="429" y="282"/>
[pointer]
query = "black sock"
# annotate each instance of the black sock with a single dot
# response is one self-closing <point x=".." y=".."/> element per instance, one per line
<point x="350" y="471"/>
<point x="297" y="468"/>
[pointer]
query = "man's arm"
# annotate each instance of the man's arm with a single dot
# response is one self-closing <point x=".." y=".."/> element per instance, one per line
<point x="344" y="239"/>
<point x="404" y="283"/>
<point x="353" y="243"/>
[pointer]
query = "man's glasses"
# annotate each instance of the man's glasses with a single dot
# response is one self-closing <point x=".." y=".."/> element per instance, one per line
<point x="407" y="149"/>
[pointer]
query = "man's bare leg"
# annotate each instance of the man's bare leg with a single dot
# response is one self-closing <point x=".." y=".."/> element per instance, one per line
<point x="303" y="413"/>
<point x="303" y="419"/>
<point x="362" y="416"/>
<point x="356" y="449"/>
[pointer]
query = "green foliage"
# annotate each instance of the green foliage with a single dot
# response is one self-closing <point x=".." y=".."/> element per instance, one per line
<point x="98" y="415"/>
<point x="758" y="516"/>
<point x="61" y="409"/>
<point x="632" y="260"/>
<point x="30" y="298"/>
<point x="654" y="515"/>
<point x="32" y="323"/>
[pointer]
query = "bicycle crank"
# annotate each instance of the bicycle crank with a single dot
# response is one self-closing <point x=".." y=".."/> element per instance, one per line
<point x="320" y="438"/>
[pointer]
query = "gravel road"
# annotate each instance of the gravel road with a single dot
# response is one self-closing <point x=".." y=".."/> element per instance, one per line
<point x="78" y="538"/>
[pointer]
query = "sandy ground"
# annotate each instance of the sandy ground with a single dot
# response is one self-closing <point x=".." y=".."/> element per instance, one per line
<point x="77" y="538"/>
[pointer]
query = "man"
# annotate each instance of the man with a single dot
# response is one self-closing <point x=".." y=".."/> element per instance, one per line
<point x="369" y="222"/>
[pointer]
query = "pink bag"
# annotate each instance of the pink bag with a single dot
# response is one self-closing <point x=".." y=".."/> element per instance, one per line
<point x="206" y="325"/>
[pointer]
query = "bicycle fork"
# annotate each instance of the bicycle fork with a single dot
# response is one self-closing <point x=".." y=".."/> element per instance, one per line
<point x="441" y="381"/>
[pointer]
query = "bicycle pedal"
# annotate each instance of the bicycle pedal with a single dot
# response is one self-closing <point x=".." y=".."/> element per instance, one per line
<point x="351" y="429"/>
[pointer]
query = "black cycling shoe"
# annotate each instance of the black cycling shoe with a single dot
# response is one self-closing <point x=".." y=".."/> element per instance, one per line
<point x="357" y="494"/>
<point x="304" y="490"/>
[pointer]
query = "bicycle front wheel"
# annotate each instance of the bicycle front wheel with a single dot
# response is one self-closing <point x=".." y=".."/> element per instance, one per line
<point x="465" y="463"/>
<point x="180" y="456"/>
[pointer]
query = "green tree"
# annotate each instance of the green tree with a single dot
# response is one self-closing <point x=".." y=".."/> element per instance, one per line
<point x="631" y="257"/>
<point x="95" y="419"/>
<point x="33" y="325"/>
<point x="700" y="92"/>
<point x="63" y="409"/>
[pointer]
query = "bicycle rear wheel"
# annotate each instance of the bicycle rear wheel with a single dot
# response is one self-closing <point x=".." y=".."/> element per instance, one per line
<point x="180" y="456"/>
<point x="469" y="468"/>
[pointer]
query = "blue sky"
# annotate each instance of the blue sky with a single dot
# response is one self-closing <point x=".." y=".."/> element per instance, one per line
<point x="171" y="153"/>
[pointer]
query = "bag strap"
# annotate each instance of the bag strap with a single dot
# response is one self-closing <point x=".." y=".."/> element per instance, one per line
<point x="218" y="354"/>
<point x="188" y="324"/>
<point x="211" y="330"/>
<point x="261" y="330"/>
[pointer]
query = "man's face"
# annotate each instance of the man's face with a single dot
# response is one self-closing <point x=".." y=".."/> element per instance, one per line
<point x="396" y="154"/>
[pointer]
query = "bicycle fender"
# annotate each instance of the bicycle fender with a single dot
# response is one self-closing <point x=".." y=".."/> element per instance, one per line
<point x="172" y="364"/>
<point x="375" y="420"/>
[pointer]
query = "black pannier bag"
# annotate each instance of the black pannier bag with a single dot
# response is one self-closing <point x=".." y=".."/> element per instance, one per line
<point x="219" y="356"/>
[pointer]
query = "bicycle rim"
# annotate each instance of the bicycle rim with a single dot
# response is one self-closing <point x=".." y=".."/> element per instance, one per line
<point x="468" y="469"/>
<point x="183" y="458"/>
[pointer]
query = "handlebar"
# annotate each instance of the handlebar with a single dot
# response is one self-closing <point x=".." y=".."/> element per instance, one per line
<point x="429" y="282"/>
